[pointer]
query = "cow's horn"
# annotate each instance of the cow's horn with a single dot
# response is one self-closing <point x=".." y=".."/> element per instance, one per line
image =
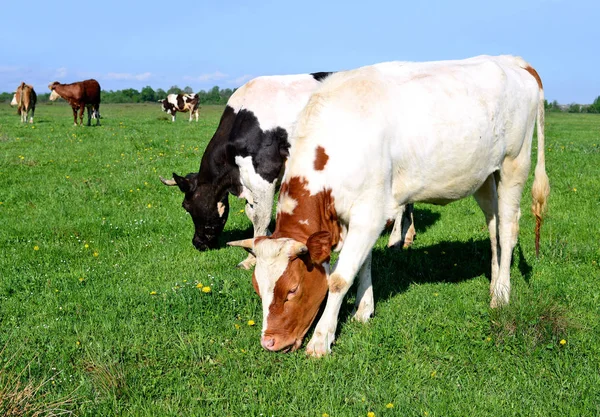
<point x="298" y="249"/>
<point x="246" y="243"/>
<point x="168" y="182"/>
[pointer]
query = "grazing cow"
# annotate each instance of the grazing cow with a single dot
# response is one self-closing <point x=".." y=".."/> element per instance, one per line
<point x="80" y="95"/>
<point x="374" y="139"/>
<point x="245" y="156"/>
<point x="181" y="103"/>
<point x="25" y="99"/>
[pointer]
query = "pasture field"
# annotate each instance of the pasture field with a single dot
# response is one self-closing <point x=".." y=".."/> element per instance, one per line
<point x="107" y="309"/>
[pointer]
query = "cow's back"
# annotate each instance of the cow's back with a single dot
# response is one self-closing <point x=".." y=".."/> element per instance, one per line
<point x="415" y="131"/>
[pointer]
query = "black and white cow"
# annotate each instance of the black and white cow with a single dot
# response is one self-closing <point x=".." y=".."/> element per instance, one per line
<point x="246" y="156"/>
<point x="181" y="103"/>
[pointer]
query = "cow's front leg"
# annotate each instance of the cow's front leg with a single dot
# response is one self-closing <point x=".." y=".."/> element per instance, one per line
<point x="258" y="210"/>
<point x="365" y="303"/>
<point x="75" y="116"/>
<point x="173" y="116"/>
<point x="353" y="257"/>
<point x="81" y="110"/>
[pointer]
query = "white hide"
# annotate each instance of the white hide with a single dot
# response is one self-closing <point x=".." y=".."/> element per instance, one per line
<point x="397" y="133"/>
<point x="275" y="100"/>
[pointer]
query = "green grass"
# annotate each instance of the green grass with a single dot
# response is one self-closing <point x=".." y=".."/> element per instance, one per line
<point x="99" y="305"/>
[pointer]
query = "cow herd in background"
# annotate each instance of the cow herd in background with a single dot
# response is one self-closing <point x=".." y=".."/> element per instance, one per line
<point x="85" y="94"/>
<point x="353" y="151"/>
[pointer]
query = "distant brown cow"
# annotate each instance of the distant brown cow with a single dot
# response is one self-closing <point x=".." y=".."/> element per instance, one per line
<point x="25" y="98"/>
<point x="80" y="95"/>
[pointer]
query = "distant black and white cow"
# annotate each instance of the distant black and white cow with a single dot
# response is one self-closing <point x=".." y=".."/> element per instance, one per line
<point x="245" y="156"/>
<point x="181" y="103"/>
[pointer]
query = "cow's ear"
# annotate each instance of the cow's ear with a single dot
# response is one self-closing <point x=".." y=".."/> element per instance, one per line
<point x="319" y="246"/>
<point x="186" y="184"/>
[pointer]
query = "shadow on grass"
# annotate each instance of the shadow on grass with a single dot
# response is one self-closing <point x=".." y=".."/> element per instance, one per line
<point x="393" y="271"/>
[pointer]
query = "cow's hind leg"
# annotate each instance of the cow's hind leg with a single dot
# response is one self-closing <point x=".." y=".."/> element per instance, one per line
<point x="89" y="114"/>
<point x="512" y="178"/>
<point x="403" y="234"/>
<point x="32" y="113"/>
<point x="97" y="113"/>
<point x="487" y="198"/>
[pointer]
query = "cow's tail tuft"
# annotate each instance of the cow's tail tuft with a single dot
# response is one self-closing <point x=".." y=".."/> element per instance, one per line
<point x="541" y="185"/>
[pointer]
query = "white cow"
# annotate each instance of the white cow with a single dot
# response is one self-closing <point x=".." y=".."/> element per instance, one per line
<point x="373" y="139"/>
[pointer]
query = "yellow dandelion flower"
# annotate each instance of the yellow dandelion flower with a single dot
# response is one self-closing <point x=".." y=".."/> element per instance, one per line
<point x="86" y="246"/>
<point x="149" y="205"/>
<point x="130" y="191"/>
<point x="206" y="289"/>
<point x="433" y="374"/>
<point x="389" y="405"/>
<point x="488" y="339"/>
<point x="242" y="210"/>
<point x="237" y="326"/>
<point x="152" y="292"/>
<point x="574" y="189"/>
<point x="324" y="415"/>
<point x="251" y="323"/>
<point x="67" y="177"/>
<point x="81" y="279"/>
<point x="96" y="254"/>
<point x="563" y="342"/>
<point x="370" y="414"/>
<point x="36" y="247"/>
<point x="199" y="285"/>
<point x="435" y="294"/>
<point x="78" y="343"/>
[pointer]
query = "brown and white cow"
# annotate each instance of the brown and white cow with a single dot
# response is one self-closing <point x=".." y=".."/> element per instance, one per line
<point x="25" y="100"/>
<point x="181" y="103"/>
<point x="374" y="139"/>
<point x="80" y="95"/>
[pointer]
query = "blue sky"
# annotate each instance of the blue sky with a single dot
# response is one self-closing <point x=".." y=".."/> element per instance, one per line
<point x="201" y="44"/>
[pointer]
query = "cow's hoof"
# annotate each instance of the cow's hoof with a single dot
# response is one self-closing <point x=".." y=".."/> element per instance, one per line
<point x="319" y="346"/>
<point x="362" y="315"/>
<point x="499" y="300"/>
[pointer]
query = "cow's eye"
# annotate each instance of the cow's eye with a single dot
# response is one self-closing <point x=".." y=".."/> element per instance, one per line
<point x="292" y="292"/>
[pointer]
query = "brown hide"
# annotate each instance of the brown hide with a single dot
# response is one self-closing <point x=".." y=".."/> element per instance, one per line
<point x="26" y="99"/>
<point x="80" y="95"/>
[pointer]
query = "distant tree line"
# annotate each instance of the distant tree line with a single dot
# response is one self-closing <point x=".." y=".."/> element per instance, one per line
<point x="573" y="107"/>
<point x="130" y="95"/>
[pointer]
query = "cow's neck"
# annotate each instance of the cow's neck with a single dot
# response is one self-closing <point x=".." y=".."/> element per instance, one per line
<point x="300" y="214"/>
<point x="217" y="167"/>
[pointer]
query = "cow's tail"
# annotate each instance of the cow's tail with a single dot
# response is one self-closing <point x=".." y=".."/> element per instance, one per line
<point x="20" y="104"/>
<point x="541" y="185"/>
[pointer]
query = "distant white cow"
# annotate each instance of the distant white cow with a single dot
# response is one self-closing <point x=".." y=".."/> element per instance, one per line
<point x="181" y="103"/>
<point x="374" y="139"/>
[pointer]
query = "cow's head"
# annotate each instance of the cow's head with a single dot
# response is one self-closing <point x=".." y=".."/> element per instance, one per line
<point x="15" y="99"/>
<point x="165" y="106"/>
<point x="291" y="279"/>
<point x="208" y="211"/>
<point x="54" y="95"/>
